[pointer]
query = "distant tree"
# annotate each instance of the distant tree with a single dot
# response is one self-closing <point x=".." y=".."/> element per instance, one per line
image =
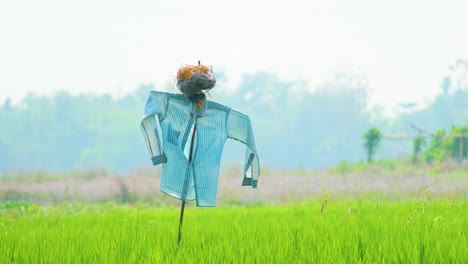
<point x="435" y="151"/>
<point x="371" y="141"/>
<point x="445" y="85"/>
<point x="418" y="143"/>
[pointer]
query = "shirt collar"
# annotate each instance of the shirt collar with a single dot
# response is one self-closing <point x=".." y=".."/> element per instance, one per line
<point x="198" y="112"/>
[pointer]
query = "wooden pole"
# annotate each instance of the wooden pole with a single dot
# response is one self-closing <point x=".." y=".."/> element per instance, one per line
<point x="182" y="207"/>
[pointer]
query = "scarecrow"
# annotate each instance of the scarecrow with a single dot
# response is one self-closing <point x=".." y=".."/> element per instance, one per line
<point x="186" y="134"/>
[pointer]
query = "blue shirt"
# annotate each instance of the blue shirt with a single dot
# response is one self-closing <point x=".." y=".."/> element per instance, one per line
<point x="168" y="124"/>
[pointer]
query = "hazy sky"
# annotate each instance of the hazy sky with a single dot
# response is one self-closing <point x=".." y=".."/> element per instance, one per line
<point x="404" y="46"/>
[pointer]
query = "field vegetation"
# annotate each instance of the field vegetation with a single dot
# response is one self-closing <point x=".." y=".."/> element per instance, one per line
<point x="424" y="229"/>
<point x="388" y="211"/>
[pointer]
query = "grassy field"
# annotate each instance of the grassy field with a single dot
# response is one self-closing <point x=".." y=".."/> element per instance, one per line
<point x="365" y="229"/>
<point x="390" y="212"/>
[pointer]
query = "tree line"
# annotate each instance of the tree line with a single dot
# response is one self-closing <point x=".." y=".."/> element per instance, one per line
<point x="295" y="125"/>
<point x="427" y="146"/>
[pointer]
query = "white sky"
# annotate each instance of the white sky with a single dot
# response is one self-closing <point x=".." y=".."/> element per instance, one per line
<point x="404" y="46"/>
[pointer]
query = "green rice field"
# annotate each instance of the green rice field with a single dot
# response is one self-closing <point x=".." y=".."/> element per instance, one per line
<point x="348" y="230"/>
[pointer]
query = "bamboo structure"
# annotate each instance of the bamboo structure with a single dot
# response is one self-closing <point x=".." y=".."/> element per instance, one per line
<point x="426" y="134"/>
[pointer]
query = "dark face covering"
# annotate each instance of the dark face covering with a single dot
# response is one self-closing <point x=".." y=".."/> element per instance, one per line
<point x="193" y="87"/>
<point x="197" y="83"/>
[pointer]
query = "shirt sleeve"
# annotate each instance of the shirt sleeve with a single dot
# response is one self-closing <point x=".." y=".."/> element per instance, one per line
<point x="239" y="128"/>
<point x="155" y="111"/>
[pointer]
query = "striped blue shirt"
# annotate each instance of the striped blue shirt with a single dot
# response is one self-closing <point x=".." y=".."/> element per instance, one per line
<point x="168" y="123"/>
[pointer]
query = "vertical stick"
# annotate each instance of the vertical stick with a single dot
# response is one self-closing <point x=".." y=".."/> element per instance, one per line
<point x="182" y="207"/>
<point x="181" y="220"/>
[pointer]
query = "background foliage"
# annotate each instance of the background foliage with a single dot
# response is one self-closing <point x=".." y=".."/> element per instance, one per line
<point x="295" y="125"/>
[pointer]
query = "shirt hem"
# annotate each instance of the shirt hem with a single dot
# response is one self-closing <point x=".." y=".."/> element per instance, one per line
<point x="177" y="197"/>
